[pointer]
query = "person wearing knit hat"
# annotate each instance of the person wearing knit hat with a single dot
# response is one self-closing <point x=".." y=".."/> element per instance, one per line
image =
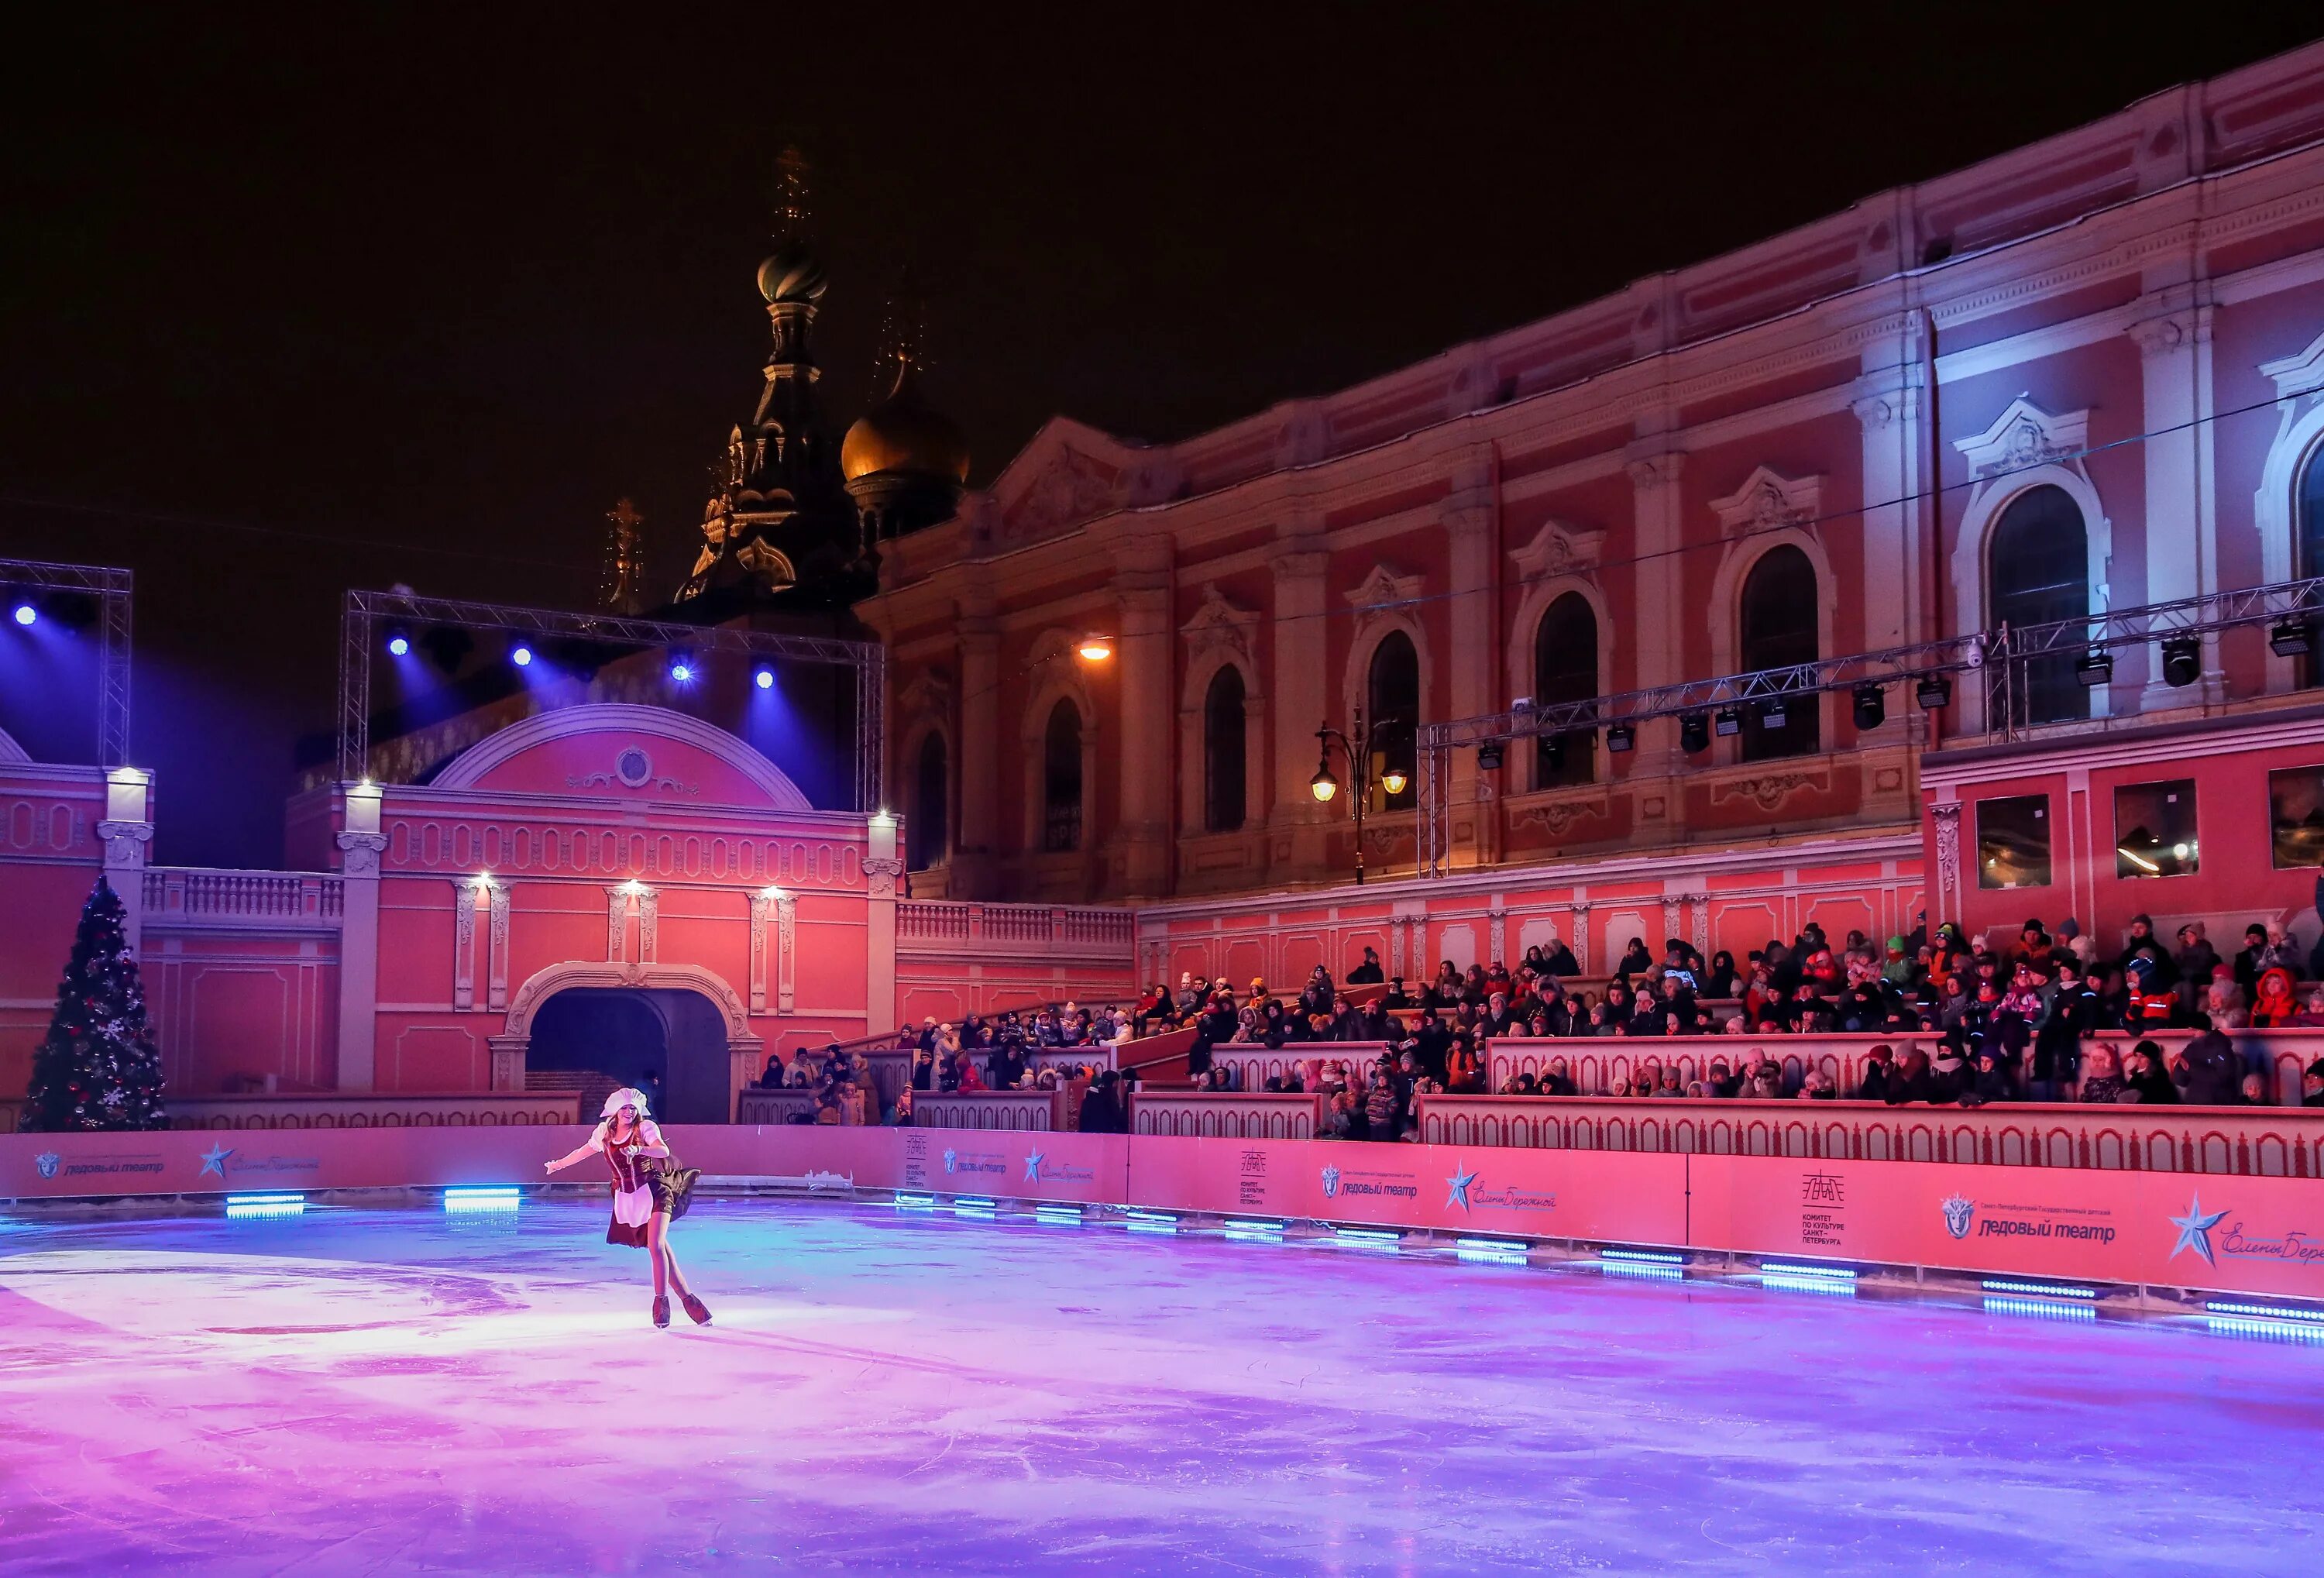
<point x="651" y="1191"/>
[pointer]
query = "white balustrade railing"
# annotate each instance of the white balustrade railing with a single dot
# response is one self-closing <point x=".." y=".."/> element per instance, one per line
<point x="943" y="925"/>
<point x="204" y="896"/>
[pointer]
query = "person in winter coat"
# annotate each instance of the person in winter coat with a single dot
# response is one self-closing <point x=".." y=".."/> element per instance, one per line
<point x="2207" y="1072"/>
<point x="2195" y="958"/>
<point x="2143" y="942"/>
<point x="1950" y="1078"/>
<point x="2103" y="1083"/>
<point x="2274" y="1005"/>
<point x="1383" y="1101"/>
<point x="2147" y="1077"/>
<point x="2071" y="1014"/>
<point x="1910" y="1083"/>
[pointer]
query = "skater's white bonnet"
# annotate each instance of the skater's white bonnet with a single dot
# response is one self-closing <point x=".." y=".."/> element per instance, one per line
<point x="624" y="1097"/>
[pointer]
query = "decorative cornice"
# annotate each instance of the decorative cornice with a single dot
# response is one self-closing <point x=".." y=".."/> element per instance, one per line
<point x="2025" y="435"/>
<point x="1559" y="550"/>
<point x="1768" y="502"/>
<point x="2297" y="375"/>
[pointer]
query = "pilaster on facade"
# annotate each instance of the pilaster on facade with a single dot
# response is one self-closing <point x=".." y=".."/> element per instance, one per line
<point x="496" y="979"/>
<point x="1657" y="509"/>
<point x="617" y="922"/>
<point x="1891" y="413"/>
<point x="1296" y="830"/>
<point x="1146" y="651"/>
<point x="2179" y="454"/>
<point x="1471" y="518"/>
<point x="649" y="926"/>
<point x="464" y="943"/>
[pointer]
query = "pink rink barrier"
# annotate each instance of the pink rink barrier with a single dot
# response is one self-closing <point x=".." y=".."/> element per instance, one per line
<point x="2235" y="1233"/>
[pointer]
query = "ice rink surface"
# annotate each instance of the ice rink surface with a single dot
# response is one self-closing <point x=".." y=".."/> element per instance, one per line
<point x="360" y="1391"/>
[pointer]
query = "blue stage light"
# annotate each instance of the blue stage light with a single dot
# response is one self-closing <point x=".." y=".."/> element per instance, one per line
<point x="472" y="1199"/>
<point x="520" y="655"/>
<point x="765" y="678"/>
<point x="243" y="1207"/>
<point x="681" y="670"/>
<point x="399" y="645"/>
<point x="25" y="614"/>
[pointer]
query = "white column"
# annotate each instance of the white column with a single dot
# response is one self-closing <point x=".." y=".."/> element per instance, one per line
<point x="496" y="979"/>
<point x="881" y="871"/>
<point x="648" y="927"/>
<point x="2182" y="528"/>
<point x="617" y="923"/>
<point x="127" y="833"/>
<point x="361" y="843"/>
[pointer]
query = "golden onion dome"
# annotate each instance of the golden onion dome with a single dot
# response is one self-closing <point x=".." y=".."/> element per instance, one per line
<point x="904" y="433"/>
<point x="793" y="273"/>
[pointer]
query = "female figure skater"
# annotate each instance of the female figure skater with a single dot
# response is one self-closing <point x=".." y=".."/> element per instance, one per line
<point x="646" y="1195"/>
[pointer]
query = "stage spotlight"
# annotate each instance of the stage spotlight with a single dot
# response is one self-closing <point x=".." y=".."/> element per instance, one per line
<point x="1488" y="756"/>
<point x="1933" y="691"/>
<point x="1773" y="714"/>
<point x="1695" y="733"/>
<point x="2183" y="660"/>
<point x="1620" y="736"/>
<point x="520" y="655"/>
<point x="764" y="678"/>
<point x="2291" y="638"/>
<point x="1871" y="707"/>
<point x="682" y="668"/>
<point x="398" y="644"/>
<point x="24" y="614"/>
<point x="2095" y="667"/>
<point x="1728" y="721"/>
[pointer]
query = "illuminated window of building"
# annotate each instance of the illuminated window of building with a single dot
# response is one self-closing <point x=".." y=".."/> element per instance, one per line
<point x="2308" y="502"/>
<point x="926" y="834"/>
<point x="2013" y="841"/>
<point x="2038" y="571"/>
<point x="1565" y="670"/>
<point x="1222" y="751"/>
<point x="2295" y="814"/>
<point x="1061" y="779"/>
<point x="2154" y="829"/>
<point x="1393" y="711"/>
<point x="1778" y="629"/>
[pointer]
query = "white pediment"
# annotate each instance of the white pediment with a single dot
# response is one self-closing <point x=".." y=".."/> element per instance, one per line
<point x="1558" y="549"/>
<point x="1384" y="587"/>
<point x="2297" y="375"/>
<point x="2025" y="435"/>
<point x="1768" y="500"/>
<point x="1217" y="622"/>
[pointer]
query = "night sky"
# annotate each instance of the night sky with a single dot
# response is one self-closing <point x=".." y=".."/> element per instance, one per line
<point x="293" y="306"/>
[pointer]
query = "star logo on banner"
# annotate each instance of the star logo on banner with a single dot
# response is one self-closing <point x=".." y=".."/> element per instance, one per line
<point x="214" y="1159"/>
<point x="1457" y="1186"/>
<point x="1033" y="1167"/>
<point x="2195" y="1230"/>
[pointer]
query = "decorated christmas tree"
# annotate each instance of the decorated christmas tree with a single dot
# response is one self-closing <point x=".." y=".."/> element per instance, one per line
<point x="99" y="1068"/>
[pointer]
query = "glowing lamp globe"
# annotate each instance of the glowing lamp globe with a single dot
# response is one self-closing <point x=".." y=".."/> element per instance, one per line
<point x="399" y="645"/>
<point x="765" y="679"/>
<point x="1393" y="780"/>
<point x="521" y="656"/>
<point x="24" y="614"/>
<point x="1324" y="786"/>
<point x="1095" y="649"/>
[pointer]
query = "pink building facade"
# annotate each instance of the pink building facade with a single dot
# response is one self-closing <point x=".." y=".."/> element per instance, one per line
<point x="2081" y="378"/>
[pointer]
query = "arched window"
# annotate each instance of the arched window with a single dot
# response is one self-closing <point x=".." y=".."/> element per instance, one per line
<point x="1392" y="711"/>
<point x="1565" y="670"/>
<point x="2307" y="505"/>
<point x="2038" y="568"/>
<point x="1222" y="751"/>
<point x="1061" y="779"/>
<point x="928" y="834"/>
<point x="1778" y="627"/>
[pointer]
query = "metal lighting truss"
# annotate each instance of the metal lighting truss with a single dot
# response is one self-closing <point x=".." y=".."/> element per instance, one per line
<point x="367" y="612"/>
<point x="111" y="589"/>
<point x="2002" y="653"/>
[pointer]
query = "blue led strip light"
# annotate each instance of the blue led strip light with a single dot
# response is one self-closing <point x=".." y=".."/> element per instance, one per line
<point x="2272" y="1311"/>
<point x="915" y="1200"/>
<point x="241" y="1208"/>
<point x="1809" y="1269"/>
<point x="1650" y="1257"/>
<point x="1491" y="1246"/>
<point x="2039" y="1309"/>
<point x="1152" y="1221"/>
<point x="1830" y="1286"/>
<point x="2299" y="1331"/>
<point x="2038" y="1289"/>
<point x="470" y="1199"/>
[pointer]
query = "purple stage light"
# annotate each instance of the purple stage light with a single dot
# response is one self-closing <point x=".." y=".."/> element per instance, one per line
<point x="765" y="679"/>
<point x="25" y="614"/>
<point x="682" y="671"/>
<point x="399" y="645"/>
<point x="522" y="656"/>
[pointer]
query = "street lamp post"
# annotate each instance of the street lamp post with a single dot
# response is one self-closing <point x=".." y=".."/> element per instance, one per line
<point x="1358" y="750"/>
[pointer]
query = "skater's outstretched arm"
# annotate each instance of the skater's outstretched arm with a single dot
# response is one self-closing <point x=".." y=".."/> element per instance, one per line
<point x="590" y="1147"/>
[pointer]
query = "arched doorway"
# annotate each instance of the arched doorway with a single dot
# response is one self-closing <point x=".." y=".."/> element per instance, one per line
<point x="591" y="1028"/>
<point x="641" y="1036"/>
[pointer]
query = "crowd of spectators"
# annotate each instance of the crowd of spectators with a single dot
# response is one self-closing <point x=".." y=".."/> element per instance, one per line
<point x="2007" y="1019"/>
<point x="1006" y="1051"/>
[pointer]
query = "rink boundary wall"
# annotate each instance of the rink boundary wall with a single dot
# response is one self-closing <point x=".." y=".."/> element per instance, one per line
<point x="2248" y="1234"/>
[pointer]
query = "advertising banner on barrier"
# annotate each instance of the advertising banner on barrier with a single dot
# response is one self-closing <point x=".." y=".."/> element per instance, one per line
<point x="1624" y="1198"/>
<point x="2174" y="1229"/>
